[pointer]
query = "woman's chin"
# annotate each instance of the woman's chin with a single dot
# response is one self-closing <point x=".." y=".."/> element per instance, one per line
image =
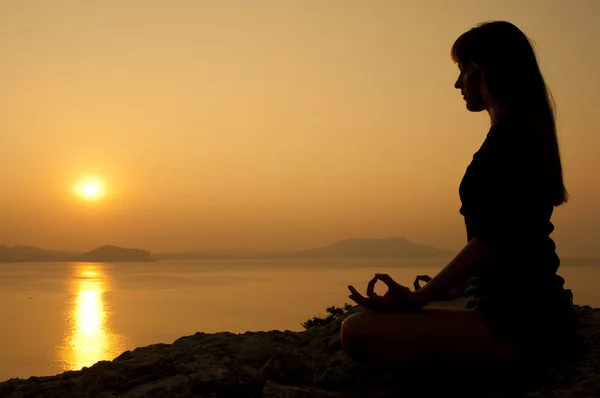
<point x="474" y="107"/>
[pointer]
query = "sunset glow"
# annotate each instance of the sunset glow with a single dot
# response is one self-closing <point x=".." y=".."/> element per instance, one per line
<point x="89" y="189"/>
<point x="89" y="338"/>
<point x="187" y="125"/>
<point x="168" y="167"/>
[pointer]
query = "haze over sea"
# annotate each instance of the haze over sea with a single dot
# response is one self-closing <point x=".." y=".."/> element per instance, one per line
<point x="63" y="316"/>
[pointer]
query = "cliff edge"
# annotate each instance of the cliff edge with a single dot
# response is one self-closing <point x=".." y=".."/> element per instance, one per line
<point x="291" y="364"/>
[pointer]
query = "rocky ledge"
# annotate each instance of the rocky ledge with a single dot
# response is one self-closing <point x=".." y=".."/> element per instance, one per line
<point x="294" y="365"/>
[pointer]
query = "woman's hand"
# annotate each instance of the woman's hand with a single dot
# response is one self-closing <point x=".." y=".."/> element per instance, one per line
<point x="397" y="298"/>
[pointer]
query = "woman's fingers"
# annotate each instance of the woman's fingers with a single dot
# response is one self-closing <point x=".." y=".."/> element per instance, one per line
<point x="356" y="296"/>
<point x="354" y="291"/>
<point x="397" y="298"/>
<point x="372" y="295"/>
<point x="371" y="289"/>
<point x="385" y="278"/>
<point x="361" y="300"/>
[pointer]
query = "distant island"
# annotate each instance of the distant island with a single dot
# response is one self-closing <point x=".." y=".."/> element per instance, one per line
<point x="346" y="249"/>
<point x="358" y="248"/>
<point x="104" y="254"/>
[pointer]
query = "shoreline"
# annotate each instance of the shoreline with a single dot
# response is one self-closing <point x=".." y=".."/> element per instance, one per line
<point x="276" y="364"/>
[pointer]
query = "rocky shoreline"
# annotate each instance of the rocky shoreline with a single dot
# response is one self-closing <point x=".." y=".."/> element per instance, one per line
<point x="306" y="364"/>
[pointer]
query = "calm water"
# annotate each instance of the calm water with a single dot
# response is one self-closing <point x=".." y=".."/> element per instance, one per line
<point x="63" y="316"/>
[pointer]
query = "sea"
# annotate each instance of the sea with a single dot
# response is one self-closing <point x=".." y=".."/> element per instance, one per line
<point x="64" y="316"/>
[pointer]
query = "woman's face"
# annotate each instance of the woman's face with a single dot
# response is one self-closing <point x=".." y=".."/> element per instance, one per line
<point x="469" y="83"/>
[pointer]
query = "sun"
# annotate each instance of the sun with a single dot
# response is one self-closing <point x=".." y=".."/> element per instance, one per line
<point x="90" y="188"/>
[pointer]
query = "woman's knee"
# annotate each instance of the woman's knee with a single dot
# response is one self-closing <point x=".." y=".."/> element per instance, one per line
<point x="353" y="333"/>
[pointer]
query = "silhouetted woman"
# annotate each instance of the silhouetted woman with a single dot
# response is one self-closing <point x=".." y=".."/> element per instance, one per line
<point x="517" y="307"/>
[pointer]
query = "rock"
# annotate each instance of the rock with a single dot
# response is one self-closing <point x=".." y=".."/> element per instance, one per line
<point x="274" y="390"/>
<point x="287" y="364"/>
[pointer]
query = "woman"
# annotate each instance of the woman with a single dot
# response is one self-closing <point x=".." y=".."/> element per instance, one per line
<point x="518" y="308"/>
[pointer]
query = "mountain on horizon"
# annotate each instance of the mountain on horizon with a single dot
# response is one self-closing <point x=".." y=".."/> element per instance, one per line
<point x="374" y="248"/>
<point x="107" y="253"/>
<point x="354" y="248"/>
<point x="349" y="248"/>
<point x="22" y="253"/>
<point x="110" y="254"/>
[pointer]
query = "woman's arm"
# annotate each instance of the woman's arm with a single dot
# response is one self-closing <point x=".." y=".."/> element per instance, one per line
<point x="475" y="257"/>
<point x="454" y="292"/>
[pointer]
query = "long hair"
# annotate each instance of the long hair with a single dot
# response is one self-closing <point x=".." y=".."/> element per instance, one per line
<point x="513" y="83"/>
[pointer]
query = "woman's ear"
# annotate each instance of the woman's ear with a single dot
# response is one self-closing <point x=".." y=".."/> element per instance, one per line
<point x="477" y="71"/>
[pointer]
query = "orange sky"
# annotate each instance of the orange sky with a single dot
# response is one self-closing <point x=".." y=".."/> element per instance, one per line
<point x="267" y="124"/>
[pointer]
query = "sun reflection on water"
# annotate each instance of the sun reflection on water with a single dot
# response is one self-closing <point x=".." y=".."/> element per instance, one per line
<point x="88" y="335"/>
